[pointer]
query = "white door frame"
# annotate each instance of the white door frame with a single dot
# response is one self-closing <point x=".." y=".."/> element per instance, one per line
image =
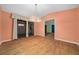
<point x="54" y="26"/>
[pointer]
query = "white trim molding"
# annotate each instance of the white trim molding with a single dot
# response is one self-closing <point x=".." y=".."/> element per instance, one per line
<point x="64" y="40"/>
<point x="15" y="18"/>
<point x="1" y="42"/>
<point x="5" y="41"/>
<point x="15" y="29"/>
<point x="19" y="17"/>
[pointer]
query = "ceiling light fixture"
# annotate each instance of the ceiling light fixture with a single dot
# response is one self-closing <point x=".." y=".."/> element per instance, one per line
<point x="35" y="18"/>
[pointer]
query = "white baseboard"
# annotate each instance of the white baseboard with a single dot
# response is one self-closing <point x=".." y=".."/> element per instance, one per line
<point x="40" y="35"/>
<point x="0" y="43"/>
<point x="5" y="41"/>
<point x="67" y="41"/>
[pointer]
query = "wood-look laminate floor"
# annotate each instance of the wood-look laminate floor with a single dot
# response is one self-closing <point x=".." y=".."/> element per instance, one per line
<point x="37" y="45"/>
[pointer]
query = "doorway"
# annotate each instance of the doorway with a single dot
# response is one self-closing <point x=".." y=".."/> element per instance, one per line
<point x="31" y="28"/>
<point x="21" y="28"/>
<point x="52" y="28"/>
<point x="49" y="28"/>
<point x="45" y="29"/>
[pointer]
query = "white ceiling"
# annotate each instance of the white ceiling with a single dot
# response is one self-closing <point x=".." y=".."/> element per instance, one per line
<point x="42" y="9"/>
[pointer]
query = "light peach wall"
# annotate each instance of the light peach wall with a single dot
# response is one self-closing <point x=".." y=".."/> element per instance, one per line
<point x="0" y="26"/>
<point x="66" y="24"/>
<point x="6" y="23"/>
<point x="39" y="28"/>
<point x="78" y="22"/>
<point x="36" y="28"/>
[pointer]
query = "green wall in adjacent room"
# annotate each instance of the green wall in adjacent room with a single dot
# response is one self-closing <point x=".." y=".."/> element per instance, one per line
<point x="49" y="25"/>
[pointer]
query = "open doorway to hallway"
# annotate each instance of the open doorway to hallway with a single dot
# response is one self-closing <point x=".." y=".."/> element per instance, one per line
<point x="49" y="27"/>
<point x="21" y="28"/>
